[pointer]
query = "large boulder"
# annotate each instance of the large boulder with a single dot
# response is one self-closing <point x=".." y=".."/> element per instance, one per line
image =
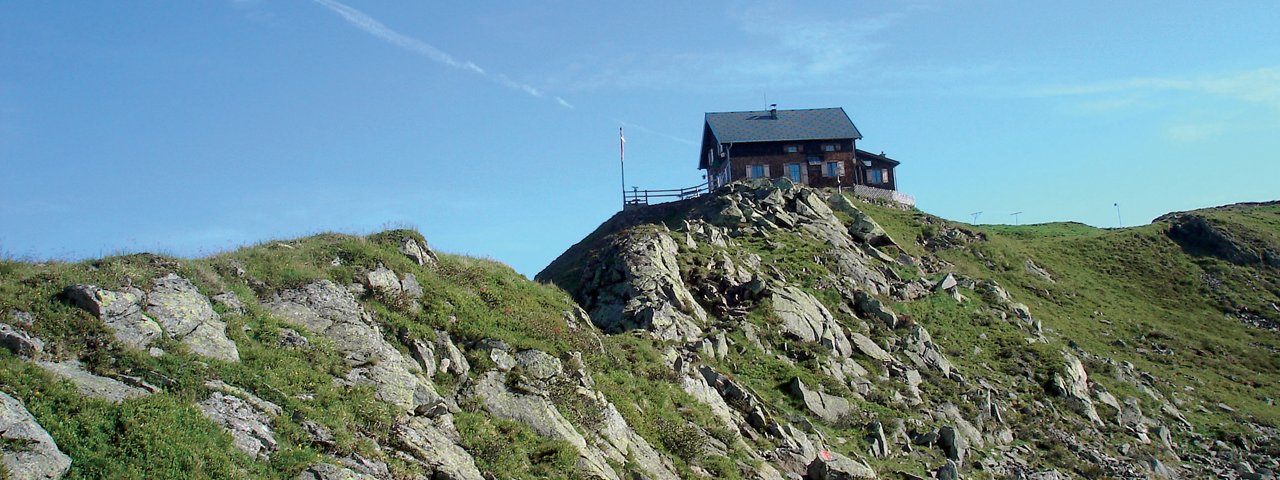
<point x="807" y="320"/>
<point x="863" y="228"/>
<point x="1072" y="383"/>
<point x="186" y="314"/>
<point x="331" y="311"/>
<point x="28" y="450"/>
<point x="121" y="311"/>
<point x="20" y="342"/>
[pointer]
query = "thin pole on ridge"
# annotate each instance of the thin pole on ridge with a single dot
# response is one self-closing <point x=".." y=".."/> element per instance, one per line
<point x="622" y="164"/>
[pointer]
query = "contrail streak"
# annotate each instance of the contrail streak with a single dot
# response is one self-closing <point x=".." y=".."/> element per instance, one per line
<point x="373" y="27"/>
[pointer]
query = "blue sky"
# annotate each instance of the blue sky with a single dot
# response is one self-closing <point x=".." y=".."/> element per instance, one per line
<point x="191" y="128"/>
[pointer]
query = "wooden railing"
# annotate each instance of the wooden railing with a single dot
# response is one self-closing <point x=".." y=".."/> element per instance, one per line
<point x="637" y="197"/>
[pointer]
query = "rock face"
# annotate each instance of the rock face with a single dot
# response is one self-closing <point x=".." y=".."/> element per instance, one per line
<point x="638" y="286"/>
<point x="1199" y="237"/>
<point x="807" y="320"/>
<point x="120" y="311"/>
<point x="436" y="446"/>
<point x="28" y="450"/>
<point x="331" y="311"/>
<point x="185" y="314"/>
<point x="1072" y="382"/>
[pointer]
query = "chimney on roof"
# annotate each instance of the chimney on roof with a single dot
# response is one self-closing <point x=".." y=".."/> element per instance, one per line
<point x="773" y="110"/>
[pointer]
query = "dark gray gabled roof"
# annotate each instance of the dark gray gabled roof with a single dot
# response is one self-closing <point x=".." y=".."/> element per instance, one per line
<point x="812" y="124"/>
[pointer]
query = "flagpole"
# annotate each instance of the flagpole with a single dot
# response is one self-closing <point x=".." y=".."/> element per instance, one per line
<point x="622" y="164"/>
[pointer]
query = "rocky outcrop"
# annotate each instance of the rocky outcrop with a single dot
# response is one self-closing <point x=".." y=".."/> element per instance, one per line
<point x="331" y="311"/>
<point x="185" y="314"/>
<point x="1198" y="236"/>
<point x="249" y="427"/>
<point x="121" y="311"/>
<point x="1072" y="383"/>
<point x="542" y="416"/>
<point x="863" y="228"/>
<point x="807" y="320"/>
<point x="20" y="342"/>
<point x="329" y="471"/>
<point x="434" y="443"/>
<point x="28" y="450"/>
<point x="419" y="252"/>
<point x="637" y="285"/>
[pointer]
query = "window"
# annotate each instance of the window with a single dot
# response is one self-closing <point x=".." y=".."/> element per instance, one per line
<point x="832" y="169"/>
<point x="793" y="172"/>
<point x="793" y="148"/>
<point x="815" y="160"/>
<point x="757" y="171"/>
<point x="830" y="147"/>
<point x="876" y="175"/>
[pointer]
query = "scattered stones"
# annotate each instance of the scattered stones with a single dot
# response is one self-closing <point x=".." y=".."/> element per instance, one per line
<point x="36" y="456"/>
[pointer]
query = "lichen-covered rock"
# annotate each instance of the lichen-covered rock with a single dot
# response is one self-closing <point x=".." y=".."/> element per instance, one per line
<point x="120" y="311"/>
<point x="331" y="311"/>
<point x="185" y="314"/>
<point x="433" y="445"/>
<point x="248" y="426"/>
<point x="383" y="280"/>
<point x="28" y="452"/>
<point x="329" y="471"/>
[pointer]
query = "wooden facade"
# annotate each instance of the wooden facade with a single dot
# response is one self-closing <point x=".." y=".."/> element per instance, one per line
<point x="811" y="147"/>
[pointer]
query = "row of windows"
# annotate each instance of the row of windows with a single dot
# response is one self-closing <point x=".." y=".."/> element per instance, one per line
<point x="796" y="172"/>
<point x="826" y="147"/>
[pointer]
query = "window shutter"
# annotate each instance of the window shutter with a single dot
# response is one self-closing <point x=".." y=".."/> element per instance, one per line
<point x="766" y="171"/>
<point x="840" y="170"/>
<point x="886" y="175"/>
<point x="804" y="174"/>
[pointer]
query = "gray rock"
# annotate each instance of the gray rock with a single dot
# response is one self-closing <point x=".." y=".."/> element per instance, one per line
<point x="1072" y="382"/>
<point x="418" y="252"/>
<point x="383" y="280"/>
<point x="953" y="445"/>
<point x="807" y="320"/>
<point x="425" y="356"/>
<point x="1197" y="236"/>
<point x="871" y="307"/>
<point x="1034" y="269"/>
<point x="20" y="342"/>
<point x="538" y="364"/>
<point x="622" y="444"/>
<point x="863" y="228"/>
<point x="91" y="385"/>
<point x="829" y="408"/>
<point x="21" y="318"/>
<point x="948" y="471"/>
<point x="637" y="285"/>
<point x="450" y="354"/>
<point x="253" y="400"/>
<point x="247" y="425"/>
<point x="36" y="456"/>
<point x="833" y="466"/>
<point x="879" y="444"/>
<point x="919" y="347"/>
<point x="230" y="303"/>
<point x="290" y="338"/>
<point x="869" y="348"/>
<point x="947" y="283"/>
<point x="185" y="314"/>
<point x="328" y="471"/>
<point x="120" y="311"/>
<point x="332" y="312"/>
<point x="431" y="444"/>
<point x="409" y="284"/>
<point x="541" y="416"/>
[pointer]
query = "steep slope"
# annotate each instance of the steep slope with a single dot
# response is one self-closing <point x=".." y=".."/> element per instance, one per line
<point x="823" y="325"/>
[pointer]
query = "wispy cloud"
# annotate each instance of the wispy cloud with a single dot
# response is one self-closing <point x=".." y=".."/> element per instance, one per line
<point x="1260" y="86"/>
<point x="651" y="131"/>
<point x="376" y="28"/>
